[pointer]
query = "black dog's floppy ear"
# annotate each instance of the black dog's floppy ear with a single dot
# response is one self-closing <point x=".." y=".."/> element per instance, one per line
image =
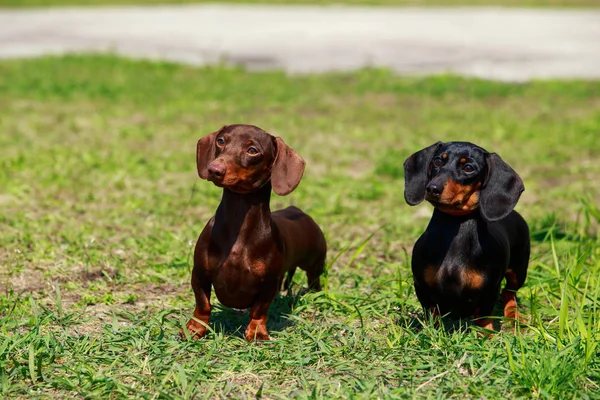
<point x="501" y="189"/>
<point x="205" y="153"/>
<point x="287" y="170"/>
<point x="416" y="174"/>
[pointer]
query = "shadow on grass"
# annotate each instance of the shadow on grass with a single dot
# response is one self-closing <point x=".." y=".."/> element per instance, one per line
<point x="417" y="321"/>
<point x="229" y="321"/>
<point x="543" y="234"/>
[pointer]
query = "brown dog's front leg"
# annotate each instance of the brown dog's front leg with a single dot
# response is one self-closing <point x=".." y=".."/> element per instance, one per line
<point x="257" y="328"/>
<point x="197" y="326"/>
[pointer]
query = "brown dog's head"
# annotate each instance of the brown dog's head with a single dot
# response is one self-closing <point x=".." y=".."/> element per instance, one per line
<point x="242" y="158"/>
<point x="460" y="177"/>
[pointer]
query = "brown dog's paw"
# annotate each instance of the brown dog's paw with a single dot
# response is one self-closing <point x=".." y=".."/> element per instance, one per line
<point x="195" y="329"/>
<point x="256" y="332"/>
<point x="259" y="337"/>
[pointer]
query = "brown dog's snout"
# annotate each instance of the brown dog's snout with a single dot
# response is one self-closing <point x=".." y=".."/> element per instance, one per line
<point x="216" y="170"/>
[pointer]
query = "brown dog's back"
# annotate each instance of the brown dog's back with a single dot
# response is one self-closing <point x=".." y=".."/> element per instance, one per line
<point x="304" y="240"/>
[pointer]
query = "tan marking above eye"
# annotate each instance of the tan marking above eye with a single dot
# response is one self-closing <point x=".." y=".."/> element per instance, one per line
<point x="463" y="160"/>
<point x="445" y="155"/>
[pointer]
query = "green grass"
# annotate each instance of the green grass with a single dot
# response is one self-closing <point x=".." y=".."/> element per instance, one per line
<point x="101" y="205"/>
<point x="400" y="3"/>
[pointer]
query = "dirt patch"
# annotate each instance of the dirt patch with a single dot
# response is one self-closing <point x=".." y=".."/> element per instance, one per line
<point x="24" y="282"/>
<point x="99" y="273"/>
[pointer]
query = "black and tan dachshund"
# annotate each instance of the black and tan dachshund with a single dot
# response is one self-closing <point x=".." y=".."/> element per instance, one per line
<point x="474" y="238"/>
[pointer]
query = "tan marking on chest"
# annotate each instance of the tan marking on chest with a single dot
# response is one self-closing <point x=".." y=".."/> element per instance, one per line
<point x="258" y="267"/>
<point x="430" y="275"/>
<point x="469" y="278"/>
<point x="472" y="279"/>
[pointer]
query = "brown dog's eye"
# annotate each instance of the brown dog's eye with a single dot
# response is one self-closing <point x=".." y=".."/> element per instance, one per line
<point x="220" y="141"/>
<point x="437" y="161"/>
<point x="468" y="168"/>
<point x="252" y="151"/>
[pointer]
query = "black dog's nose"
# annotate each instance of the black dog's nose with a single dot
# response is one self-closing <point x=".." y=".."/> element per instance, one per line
<point x="216" y="170"/>
<point x="434" y="189"/>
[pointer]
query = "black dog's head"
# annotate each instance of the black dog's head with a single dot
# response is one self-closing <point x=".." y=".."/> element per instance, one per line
<point x="459" y="177"/>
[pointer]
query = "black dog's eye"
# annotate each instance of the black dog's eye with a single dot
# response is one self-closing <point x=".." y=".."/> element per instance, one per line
<point x="221" y="141"/>
<point x="437" y="161"/>
<point x="252" y="151"/>
<point x="468" y="168"/>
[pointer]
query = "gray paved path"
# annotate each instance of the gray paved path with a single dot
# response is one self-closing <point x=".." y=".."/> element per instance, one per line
<point x="505" y="44"/>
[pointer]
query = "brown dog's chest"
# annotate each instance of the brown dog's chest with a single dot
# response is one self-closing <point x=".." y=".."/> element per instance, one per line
<point x="238" y="277"/>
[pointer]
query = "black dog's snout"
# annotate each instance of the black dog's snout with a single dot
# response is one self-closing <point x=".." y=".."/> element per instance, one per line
<point x="434" y="189"/>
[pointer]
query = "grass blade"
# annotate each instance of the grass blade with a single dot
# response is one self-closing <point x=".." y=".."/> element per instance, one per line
<point x="31" y="363"/>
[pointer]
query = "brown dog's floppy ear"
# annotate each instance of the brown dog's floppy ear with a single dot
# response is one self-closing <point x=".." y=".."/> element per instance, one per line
<point x="287" y="170"/>
<point x="501" y="189"/>
<point x="416" y="174"/>
<point x="205" y="153"/>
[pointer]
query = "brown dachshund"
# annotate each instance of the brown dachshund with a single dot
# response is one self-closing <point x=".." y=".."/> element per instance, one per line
<point x="245" y="249"/>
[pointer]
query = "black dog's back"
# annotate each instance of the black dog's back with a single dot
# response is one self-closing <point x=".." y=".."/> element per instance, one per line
<point x="516" y="230"/>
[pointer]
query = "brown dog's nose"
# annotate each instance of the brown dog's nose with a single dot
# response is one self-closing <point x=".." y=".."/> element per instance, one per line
<point x="216" y="170"/>
<point x="434" y="189"/>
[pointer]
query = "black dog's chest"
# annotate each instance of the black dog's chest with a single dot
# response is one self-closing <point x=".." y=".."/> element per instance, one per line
<point x="453" y="279"/>
<point x="455" y="266"/>
<point x="453" y="288"/>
